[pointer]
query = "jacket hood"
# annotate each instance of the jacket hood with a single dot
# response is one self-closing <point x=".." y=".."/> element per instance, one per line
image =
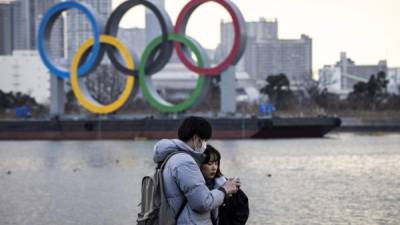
<point x="167" y="146"/>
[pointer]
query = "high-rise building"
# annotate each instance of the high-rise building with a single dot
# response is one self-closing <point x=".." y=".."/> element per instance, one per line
<point x="6" y="37"/>
<point x="266" y="54"/>
<point x="256" y="31"/>
<point x="57" y="32"/>
<point x="290" y="57"/>
<point x="263" y="29"/>
<point x="152" y="24"/>
<point x="260" y="30"/>
<point x="153" y="28"/>
<point x="79" y="29"/>
<point x="134" y="38"/>
<point x="25" y="16"/>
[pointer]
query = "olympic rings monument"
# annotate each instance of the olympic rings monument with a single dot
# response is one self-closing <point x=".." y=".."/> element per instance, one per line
<point x="139" y="71"/>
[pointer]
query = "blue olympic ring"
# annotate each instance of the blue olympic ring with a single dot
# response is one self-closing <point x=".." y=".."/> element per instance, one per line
<point x="44" y="35"/>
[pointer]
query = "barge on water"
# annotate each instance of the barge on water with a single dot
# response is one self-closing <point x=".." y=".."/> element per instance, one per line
<point x="157" y="128"/>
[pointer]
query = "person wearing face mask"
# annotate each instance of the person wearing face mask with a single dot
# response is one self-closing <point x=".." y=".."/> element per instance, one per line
<point x="184" y="185"/>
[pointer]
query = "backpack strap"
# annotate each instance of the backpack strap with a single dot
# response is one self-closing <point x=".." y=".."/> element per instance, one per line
<point x="162" y="164"/>
<point x="181" y="208"/>
<point x="161" y="167"/>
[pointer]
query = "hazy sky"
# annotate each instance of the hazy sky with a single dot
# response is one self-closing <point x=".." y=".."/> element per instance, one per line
<point x="368" y="30"/>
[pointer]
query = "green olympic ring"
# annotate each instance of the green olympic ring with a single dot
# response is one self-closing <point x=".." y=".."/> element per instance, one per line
<point x="150" y="93"/>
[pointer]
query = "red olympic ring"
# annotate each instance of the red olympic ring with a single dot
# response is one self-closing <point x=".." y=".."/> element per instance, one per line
<point x="239" y="42"/>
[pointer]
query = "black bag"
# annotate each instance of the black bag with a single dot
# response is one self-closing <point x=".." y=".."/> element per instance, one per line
<point x="235" y="210"/>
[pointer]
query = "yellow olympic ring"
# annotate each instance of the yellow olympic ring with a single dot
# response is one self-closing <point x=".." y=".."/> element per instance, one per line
<point x="79" y="87"/>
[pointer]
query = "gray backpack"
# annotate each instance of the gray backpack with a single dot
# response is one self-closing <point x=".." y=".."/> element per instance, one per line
<point x="155" y="209"/>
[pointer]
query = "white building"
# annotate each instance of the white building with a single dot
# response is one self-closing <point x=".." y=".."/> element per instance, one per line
<point x="341" y="77"/>
<point x="23" y="71"/>
<point x="394" y="80"/>
<point x="329" y="79"/>
<point x="176" y="82"/>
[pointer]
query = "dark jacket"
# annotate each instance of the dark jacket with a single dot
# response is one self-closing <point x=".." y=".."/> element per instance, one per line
<point x="235" y="210"/>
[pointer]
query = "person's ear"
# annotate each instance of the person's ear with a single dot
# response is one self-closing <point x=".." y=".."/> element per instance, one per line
<point x="195" y="138"/>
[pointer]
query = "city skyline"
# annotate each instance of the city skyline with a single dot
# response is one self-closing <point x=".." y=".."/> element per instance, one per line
<point x="365" y="29"/>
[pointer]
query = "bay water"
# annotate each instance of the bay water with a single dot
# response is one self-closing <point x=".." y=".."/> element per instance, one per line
<point x="344" y="178"/>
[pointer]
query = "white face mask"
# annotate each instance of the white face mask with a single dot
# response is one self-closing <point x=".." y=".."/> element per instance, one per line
<point x="202" y="148"/>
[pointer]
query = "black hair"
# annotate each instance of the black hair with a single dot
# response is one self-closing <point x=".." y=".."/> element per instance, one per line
<point x="192" y="126"/>
<point x="213" y="155"/>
